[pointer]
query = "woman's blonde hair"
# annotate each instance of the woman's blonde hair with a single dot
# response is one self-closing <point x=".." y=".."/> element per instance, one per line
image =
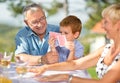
<point x="113" y="12"/>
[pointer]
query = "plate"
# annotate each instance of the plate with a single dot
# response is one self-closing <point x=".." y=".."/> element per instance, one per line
<point x="29" y="75"/>
<point x="47" y="73"/>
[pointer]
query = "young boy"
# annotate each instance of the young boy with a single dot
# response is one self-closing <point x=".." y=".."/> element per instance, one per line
<point x="70" y="27"/>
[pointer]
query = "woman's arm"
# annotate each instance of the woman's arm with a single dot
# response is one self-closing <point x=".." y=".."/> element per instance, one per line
<point x="112" y="76"/>
<point x="89" y="60"/>
<point x="82" y="63"/>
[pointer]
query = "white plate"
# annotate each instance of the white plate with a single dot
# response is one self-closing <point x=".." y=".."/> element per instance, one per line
<point x="29" y="75"/>
<point x="47" y="73"/>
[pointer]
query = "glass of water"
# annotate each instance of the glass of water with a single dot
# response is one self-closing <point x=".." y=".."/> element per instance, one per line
<point x="21" y="69"/>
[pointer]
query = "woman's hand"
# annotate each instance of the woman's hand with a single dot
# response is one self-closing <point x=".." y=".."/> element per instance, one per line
<point x="38" y="70"/>
<point x="112" y="53"/>
<point x="51" y="78"/>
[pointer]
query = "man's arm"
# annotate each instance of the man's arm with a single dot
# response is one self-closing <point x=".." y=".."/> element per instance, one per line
<point x="32" y="60"/>
<point x="49" y="58"/>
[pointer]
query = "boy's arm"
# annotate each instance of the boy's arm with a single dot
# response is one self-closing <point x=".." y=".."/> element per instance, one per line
<point x="71" y="47"/>
<point x="51" y="42"/>
<point x="53" y="50"/>
<point x="71" y="56"/>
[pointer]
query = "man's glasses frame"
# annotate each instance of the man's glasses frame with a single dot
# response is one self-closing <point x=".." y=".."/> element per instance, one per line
<point x="40" y="20"/>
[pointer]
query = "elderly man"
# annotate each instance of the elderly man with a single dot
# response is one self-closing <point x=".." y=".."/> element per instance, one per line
<point x="32" y="40"/>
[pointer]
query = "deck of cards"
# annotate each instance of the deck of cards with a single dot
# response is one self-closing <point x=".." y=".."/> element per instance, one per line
<point x="61" y="39"/>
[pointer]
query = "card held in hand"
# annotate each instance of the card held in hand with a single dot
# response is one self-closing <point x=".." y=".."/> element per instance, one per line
<point x="53" y="34"/>
<point x="61" y="39"/>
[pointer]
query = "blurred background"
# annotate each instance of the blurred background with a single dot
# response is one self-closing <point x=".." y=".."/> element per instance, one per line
<point x="89" y="11"/>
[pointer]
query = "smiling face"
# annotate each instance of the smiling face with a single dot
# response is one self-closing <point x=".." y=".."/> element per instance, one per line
<point x="66" y="30"/>
<point x="110" y="27"/>
<point x="36" y="20"/>
<point x="111" y="21"/>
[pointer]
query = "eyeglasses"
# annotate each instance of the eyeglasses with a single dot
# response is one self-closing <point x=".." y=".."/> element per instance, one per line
<point x="36" y="22"/>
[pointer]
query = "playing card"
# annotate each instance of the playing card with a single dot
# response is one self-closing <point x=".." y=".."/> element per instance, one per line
<point x="60" y="39"/>
<point x="53" y="34"/>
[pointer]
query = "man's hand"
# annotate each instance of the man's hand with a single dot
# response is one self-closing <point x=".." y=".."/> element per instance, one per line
<point x="50" y="57"/>
<point x="31" y="60"/>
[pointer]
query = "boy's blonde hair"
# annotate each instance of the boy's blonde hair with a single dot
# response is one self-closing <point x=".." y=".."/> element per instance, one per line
<point x="73" y="22"/>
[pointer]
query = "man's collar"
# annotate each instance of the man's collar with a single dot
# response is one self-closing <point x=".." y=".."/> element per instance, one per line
<point x="47" y="32"/>
<point x="30" y="32"/>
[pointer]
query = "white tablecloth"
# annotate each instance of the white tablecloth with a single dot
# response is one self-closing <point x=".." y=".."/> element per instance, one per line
<point x="28" y="77"/>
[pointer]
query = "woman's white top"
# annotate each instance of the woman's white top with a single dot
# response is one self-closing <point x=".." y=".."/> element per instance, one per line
<point x="102" y="68"/>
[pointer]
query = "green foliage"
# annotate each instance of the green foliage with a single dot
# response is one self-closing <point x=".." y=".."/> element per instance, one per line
<point x="7" y="35"/>
<point x="17" y="6"/>
<point x="92" y="21"/>
<point x="86" y="43"/>
<point x="54" y="7"/>
<point x="92" y="72"/>
<point x="87" y="39"/>
<point x="3" y="0"/>
<point x="96" y="7"/>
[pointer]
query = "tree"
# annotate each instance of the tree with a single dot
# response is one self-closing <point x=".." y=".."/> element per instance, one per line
<point x="16" y="6"/>
<point x="95" y="7"/>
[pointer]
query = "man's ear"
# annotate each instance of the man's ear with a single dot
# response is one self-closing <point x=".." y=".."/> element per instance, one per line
<point x="76" y="35"/>
<point x="25" y="21"/>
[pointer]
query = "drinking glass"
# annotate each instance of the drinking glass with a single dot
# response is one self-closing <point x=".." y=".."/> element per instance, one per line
<point x="21" y="69"/>
<point x="4" y="79"/>
<point x="5" y="62"/>
<point x="6" y="59"/>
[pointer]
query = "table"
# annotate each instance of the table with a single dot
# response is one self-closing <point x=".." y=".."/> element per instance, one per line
<point x="15" y="78"/>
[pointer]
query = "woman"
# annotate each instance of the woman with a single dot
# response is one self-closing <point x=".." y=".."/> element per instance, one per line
<point x="106" y="58"/>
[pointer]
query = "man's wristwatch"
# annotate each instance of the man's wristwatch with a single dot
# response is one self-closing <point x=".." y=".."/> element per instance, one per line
<point x="40" y="60"/>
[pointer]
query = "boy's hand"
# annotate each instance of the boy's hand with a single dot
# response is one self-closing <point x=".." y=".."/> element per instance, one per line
<point x="70" y="45"/>
<point x="51" y="42"/>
